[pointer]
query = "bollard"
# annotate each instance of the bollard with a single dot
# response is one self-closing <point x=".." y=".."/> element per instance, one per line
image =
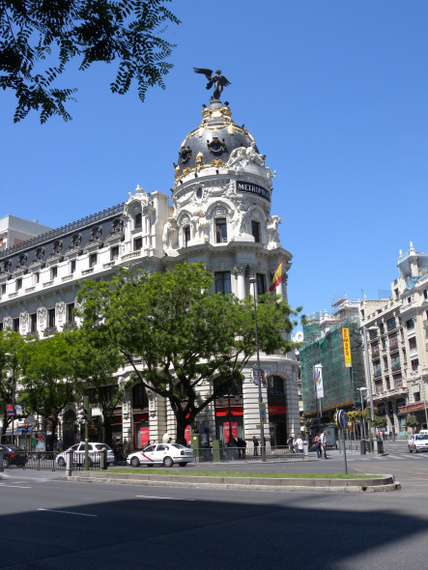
<point x="363" y="447"/>
<point x="103" y="459"/>
<point x="69" y="463"/>
<point x="1" y="460"/>
<point x="305" y="449"/>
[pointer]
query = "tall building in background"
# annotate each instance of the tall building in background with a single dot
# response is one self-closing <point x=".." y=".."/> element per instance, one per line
<point x="333" y="341"/>
<point x="397" y="335"/>
<point x="219" y="214"/>
<point x="14" y="231"/>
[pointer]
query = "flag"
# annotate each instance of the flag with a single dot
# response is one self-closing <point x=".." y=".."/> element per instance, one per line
<point x="277" y="278"/>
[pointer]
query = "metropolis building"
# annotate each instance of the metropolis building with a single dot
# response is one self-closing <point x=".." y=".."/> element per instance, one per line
<point x="219" y="212"/>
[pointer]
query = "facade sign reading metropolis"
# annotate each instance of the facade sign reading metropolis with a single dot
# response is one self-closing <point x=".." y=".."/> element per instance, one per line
<point x="252" y="189"/>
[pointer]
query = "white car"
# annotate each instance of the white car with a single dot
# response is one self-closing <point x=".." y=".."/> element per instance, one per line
<point x="418" y="442"/>
<point x="94" y="453"/>
<point x="161" y="454"/>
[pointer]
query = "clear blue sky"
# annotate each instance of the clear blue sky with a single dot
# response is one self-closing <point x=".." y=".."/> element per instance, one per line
<point x="335" y="94"/>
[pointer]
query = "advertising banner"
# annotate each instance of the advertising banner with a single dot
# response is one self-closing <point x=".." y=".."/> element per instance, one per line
<point x="347" y="348"/>
<point x="319" y="387"/>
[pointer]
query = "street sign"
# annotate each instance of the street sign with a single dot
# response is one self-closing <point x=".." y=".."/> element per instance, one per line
<point x="342" y="419"/>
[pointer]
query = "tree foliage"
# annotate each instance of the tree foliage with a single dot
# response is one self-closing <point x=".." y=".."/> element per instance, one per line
<point x="11" y="346"/>
<point x="127" y="32"/>
<point x="49" y="382"/>
<point x="185" y="335"/>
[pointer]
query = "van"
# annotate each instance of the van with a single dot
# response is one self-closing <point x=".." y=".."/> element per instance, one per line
<point x="423" y="432"/>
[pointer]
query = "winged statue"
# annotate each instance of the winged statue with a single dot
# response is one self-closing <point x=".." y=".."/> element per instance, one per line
<point x="218" y="80"/>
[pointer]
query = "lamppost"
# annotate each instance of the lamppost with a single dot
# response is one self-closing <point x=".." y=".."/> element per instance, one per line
<point x="373" y="441"/>
<point x="262" y="429"/>
<point x="13" y="392"/>
<point x="363" y="389"/>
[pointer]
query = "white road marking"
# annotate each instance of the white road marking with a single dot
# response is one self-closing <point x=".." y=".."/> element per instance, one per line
<point x="14" y="486"/>
<point x="163" y="498"/>
<point x="67" y="513"/>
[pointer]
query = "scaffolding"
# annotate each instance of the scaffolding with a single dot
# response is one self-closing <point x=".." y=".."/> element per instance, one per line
<point x="340" y="383"/>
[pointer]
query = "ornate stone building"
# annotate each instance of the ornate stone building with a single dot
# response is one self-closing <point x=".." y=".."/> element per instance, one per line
<point x="220" y="215"/>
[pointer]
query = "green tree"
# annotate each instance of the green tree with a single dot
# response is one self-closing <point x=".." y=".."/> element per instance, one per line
<point x="185" y="335"/>
<point x="126" y="32"/>
<point x="11" y="345"/>
<point x="95" y="363"/>
<point x="49" y="379"/>
<point x="411" y="421"/>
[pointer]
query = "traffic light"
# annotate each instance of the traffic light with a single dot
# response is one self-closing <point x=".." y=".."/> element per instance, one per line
<point x="80" y="416"/>
<point x="87" y="412"/>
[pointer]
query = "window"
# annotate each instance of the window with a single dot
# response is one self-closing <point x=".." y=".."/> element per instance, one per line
<point x="186" y="234"/>
<point x="275" y="386"/>
<point x="261" y="283"/>
<point x="221" y="230"/>
<point x="390" y="323"/>
<point x="72" y="266"/>
<point x="70" y="315"/>
<point x="51" y="318"/>
<point x="388" y="383"/>
<point x="222" y="282"/>
<point x="410" y="324"/>
<point x="393" y="341"/>
<point x="92" y="259"/>
<point x="416" y="396"/>
<point x="33" y="322"/>
<point x="138" y="221"/>
<point x="381" y="328"/>
<point x="114" y="253"/>
<point x="385" y="363"/>
<point x="378" y="387"/>
<point x="54" y="272"/>
<point x="425" y="293"/>
<point x="415" y="364"/>
<point x="3" y="288"/>
<point x="18" y="284"/>
<point x="375" y="349"/>
<point x="36" y="278"/>
<point x="396" y="293"/>
<point x="372" y="333"/>
<point x="15" y="325"/>
<point x="412" y="343"/>
<point x="377" y="370"/>
<point x="255" y="230"/>
<point x="138" y="244"/>
<point x="395" y="361"/>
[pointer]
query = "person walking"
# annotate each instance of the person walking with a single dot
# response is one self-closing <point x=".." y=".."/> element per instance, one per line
<point x="290" y="444"/>
<point x="299" y="444"/>
<point x="255" y="445"/>
<point x="323" y="439"/>
<point x="318" y="447"/>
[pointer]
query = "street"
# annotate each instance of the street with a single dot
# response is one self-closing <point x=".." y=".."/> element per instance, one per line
<point x="49" y="523"/>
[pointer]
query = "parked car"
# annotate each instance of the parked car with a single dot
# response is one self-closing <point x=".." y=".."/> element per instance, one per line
<point x="94" y="453"/>
<point x="418" y="442"/>
<point x="161" y="454"/>
<point x="13" y="455"/>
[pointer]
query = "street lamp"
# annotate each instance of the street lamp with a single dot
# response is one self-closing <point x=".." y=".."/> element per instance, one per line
<point x="262" y="429"/>
<point x="13" y="393"/>
<point x="362" y="407"/>
<point x="373" y="441"/>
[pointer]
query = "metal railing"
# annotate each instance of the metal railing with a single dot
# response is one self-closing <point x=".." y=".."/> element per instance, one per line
<point x="237" y="454"/>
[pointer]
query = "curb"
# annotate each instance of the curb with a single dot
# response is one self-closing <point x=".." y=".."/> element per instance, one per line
<point x="384" y="483"/>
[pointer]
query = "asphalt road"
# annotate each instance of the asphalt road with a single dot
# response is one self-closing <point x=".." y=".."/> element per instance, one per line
<point x="48" y="523"/>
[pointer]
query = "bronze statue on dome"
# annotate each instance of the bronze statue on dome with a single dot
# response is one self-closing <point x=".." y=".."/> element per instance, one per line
<point x="218" y="80"/>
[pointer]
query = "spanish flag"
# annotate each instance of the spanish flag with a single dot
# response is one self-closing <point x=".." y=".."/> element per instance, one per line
<point x="277" y="278"/>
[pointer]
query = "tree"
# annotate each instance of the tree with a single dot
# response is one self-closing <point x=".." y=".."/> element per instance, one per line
<point x="185" y="335"/>
<point x="11" y="344"/>
<point x="127" y="32"/>
<point x="411" y="421"/>
<point x="96" y="369"/>
<point x="49" y="381"/>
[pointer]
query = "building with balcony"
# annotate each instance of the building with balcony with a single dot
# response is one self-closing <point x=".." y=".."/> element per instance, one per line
<point x="397" y="337"/>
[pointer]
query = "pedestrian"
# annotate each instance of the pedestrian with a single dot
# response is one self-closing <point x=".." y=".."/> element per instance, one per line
<point x="299" y="444"/>
<point x="323" y="439"/>
<point x="290" y="443"/>
<point x="318" y="447"/>
<point x="255" y="445"/>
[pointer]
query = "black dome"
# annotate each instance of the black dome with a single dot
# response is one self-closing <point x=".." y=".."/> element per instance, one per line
<point x="213" y="141"/>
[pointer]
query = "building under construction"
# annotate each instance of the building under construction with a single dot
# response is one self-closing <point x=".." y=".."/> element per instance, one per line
<point x="334" y="342"/>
